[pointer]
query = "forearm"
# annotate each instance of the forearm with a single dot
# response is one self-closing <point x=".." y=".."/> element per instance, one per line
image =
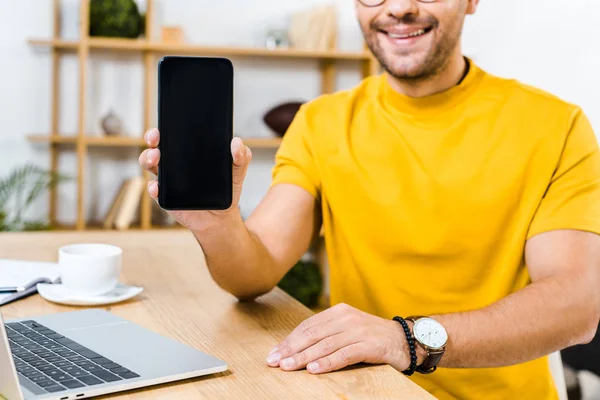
<point x="236" y="258"/>
<point x="544" y="317"/>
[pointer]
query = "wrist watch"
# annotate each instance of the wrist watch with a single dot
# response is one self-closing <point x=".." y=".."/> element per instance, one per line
<point x="432" y="336"/>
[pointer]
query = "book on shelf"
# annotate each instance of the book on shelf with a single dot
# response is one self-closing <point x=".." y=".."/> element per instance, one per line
<point x="126" y="204"/>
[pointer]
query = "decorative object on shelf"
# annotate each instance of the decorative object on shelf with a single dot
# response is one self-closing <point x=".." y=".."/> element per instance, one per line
<point x="279" y="118"/>
<point x="314" y="29"/>
<point x="277" y="39"/>
<point x="23" y="186"/>
<point x="111" y="124"/>
<point x="304" y="282"/>
<point x="115" y="18"/>
<point x="171" y="34"/>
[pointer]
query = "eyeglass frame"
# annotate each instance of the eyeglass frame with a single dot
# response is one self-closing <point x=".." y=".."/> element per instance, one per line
<point x="383" y="1"/>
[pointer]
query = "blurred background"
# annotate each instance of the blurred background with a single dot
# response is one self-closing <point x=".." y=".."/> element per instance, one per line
<point x="77" y="93"/>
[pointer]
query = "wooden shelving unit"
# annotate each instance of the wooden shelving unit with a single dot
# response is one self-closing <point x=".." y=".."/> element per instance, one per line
<point x="151" y="50"/>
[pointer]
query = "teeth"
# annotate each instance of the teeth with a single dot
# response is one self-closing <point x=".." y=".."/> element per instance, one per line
<point x="404" y="36"/>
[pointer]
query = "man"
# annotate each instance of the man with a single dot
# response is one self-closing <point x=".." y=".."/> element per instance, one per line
<point x="444" y="192"/>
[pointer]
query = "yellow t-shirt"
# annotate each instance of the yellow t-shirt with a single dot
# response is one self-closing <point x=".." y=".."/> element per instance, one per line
<point x="427" y="202"/>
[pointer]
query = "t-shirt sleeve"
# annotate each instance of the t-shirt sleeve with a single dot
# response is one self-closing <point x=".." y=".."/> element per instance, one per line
<point x="295" y="161"/>
<point x="572" y="200"/>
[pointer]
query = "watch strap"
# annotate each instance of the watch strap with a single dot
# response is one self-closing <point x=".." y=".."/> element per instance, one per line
<point x="431" y="361"/>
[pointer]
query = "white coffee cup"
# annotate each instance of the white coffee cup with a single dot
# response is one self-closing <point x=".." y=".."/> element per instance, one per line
<point x="89" y="268"/>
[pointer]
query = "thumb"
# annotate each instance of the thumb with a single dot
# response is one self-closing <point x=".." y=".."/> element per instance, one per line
<point x="241" y="159"/>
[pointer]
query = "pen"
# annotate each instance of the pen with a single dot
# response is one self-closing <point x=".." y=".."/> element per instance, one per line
<point x="17" y="289"/>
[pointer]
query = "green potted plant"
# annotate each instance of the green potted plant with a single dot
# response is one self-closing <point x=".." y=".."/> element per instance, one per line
<point x="116" y="18"/>
<point x="18" y="191"/>
<point x="304" y="282"/>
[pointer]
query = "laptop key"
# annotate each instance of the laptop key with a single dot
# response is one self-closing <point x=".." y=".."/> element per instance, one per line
<point x="101" y="360"/>
<point x="54" y="335"/>
<point x="91" y="367"/>
<point x="55" y="388"/>
<point x="53" y="346"/>
<point x="30" y="358"/>
<point x="76" y="358"/>
<point x="73" y="346"/>
<point x="45" y="383"/>
<point x="65" y="353"/>
<point x="54" y="359"/>
<point x="90" y="380"/>
<point x="63" y="377"/>
<point x="119" y="370"/>
<point x="31" y="373"/>
<point x="72" y="384"/>
<point x="66" y="342"/>
<point x="79" y="373"/>
<point x="111" y="366"/>
<point x="46" y="368"/>
<point x="53" y="372"/>
<point x="36" y="326"/>
<point x="19" y="351"/>
<point x="71" y="368"/>
<point x="61" y="364"/>
<point x="83" y="363"/>
<point x="46" y="354"/>
<point x="38" y="363"/>
<point x="105" y="375"/>
<point x="38" y="351"/>
<point x="17" y="326"/>
<point x="37" y="378"/>
<point x="129" y="375"/>
<point x="46" y="332"/>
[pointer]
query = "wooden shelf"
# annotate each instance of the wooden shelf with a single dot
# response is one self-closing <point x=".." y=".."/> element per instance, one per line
<point x="52" y="139"/>
<point x="130" y="141"/>
<point x="191" y="49"/>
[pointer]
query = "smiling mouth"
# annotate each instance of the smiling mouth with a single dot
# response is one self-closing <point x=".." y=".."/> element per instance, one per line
<point x="408" y="35"/>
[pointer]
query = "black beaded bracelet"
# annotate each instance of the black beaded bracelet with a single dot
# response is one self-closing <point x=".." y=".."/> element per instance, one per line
<point x="411" y="346"/>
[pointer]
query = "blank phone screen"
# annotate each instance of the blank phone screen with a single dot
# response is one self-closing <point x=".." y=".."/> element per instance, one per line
<point x="195" y="110"/>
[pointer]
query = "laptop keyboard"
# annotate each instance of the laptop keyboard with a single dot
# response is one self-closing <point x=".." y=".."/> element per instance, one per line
<point x="55" y="363"/>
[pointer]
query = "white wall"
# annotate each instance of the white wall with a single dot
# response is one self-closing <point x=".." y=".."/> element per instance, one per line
<point x="548" y="43"/>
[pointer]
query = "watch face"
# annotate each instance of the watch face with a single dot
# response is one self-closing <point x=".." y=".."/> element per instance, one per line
<point x="430" y="332"/>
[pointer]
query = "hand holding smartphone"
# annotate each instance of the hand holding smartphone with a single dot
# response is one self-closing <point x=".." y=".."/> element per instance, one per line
<point x="195" y="121"/>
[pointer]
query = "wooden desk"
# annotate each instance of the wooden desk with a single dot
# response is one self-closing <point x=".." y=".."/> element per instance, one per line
<point x="181" y="301"/>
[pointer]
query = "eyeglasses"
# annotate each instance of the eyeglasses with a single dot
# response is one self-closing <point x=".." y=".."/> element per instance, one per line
<point x="375" y="3"/>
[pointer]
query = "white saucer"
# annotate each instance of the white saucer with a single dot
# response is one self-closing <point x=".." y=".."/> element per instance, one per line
<point x="57" y="293"/>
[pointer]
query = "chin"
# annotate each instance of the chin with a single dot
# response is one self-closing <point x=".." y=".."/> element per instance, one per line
<point x="407" y="67"/>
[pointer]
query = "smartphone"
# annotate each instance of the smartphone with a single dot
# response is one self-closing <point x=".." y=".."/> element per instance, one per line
<point x="195" y="121"/>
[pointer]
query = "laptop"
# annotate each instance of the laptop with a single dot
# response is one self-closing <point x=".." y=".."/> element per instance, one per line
<point x="80" y="354"/>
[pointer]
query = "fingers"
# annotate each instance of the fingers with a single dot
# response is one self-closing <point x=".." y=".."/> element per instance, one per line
<point x="152" y="137"/>
<point x="349" y="355"/>
<point x="149" y="159"/>
<point x="308" y="333"/>
<point x="241" y="159"/>
<point x="153" y="189"/>
<point x="322" y="349"/>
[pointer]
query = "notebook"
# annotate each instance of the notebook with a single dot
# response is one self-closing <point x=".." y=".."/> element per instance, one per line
<point x="20" y="272"/>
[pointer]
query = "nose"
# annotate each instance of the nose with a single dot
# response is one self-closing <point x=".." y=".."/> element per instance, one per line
<point x="400" y="8"/>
